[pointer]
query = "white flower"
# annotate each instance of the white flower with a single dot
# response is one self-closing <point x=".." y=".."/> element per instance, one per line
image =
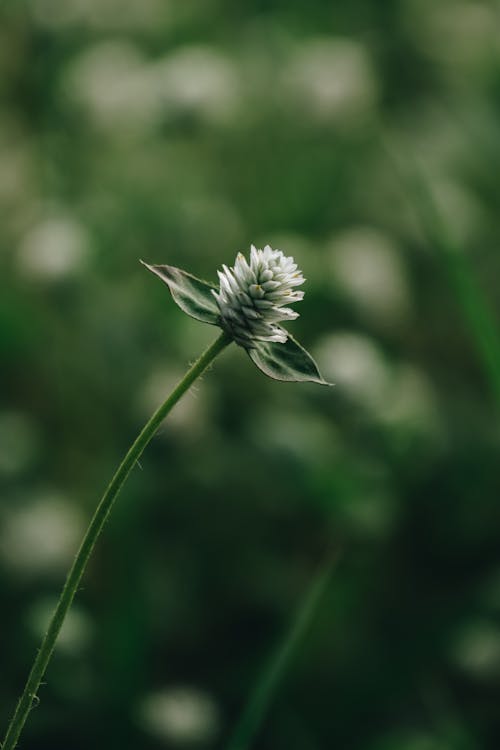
<point x="252" y="296"/>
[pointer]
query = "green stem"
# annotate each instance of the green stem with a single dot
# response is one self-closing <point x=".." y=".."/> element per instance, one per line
<point x="100" y="516"/>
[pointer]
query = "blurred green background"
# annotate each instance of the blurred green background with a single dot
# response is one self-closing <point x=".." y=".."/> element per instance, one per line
<point x="180" y="132"/>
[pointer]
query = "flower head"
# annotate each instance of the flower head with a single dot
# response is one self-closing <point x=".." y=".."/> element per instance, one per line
<point x="253" y="295"/>
<point x="249" y="306"/>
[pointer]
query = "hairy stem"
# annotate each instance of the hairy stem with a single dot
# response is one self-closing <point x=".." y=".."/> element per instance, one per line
<point x="98" y="520"/>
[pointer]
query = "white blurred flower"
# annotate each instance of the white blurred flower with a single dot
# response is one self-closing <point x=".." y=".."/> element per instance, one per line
<point x="398" y="395"/>
<point x="197" y="79"/>
<point x="40" y="537"/>
<point x="332" y="79"/>
<point x="123" y="92"/>
<point x="476" y="649"/>
<point x="76" y="630"/>
<point x="113" y="84"/>
<point x="252" y="296"/>
<point x="54" y="248"/>
<point x="181" y="715"/>
<point x="367" y="266"/>
<point x="355" y="363"/>
<point x="462" y="34"/>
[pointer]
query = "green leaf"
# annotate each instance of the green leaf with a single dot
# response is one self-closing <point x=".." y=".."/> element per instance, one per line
<point x="193" y="295"/>
<point x="288" y="361"/>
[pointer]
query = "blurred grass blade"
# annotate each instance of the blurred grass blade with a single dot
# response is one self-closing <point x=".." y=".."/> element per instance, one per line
<point x="260" y="699"/>
<point x="477" y="312"/>
<point x="450" y="723"/>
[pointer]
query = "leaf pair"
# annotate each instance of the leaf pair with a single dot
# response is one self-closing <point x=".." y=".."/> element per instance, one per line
<point x="288" y="361"/>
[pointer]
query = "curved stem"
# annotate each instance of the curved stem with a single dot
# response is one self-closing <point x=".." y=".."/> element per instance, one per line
<point x="98" y="520"/>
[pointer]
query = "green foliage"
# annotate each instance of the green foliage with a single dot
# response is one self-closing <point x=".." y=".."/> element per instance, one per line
<point x="180" y="133"/>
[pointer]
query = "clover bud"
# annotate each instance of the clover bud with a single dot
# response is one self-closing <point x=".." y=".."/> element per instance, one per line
<point x="253" y="295"/>
<point x="250" y="303"/>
